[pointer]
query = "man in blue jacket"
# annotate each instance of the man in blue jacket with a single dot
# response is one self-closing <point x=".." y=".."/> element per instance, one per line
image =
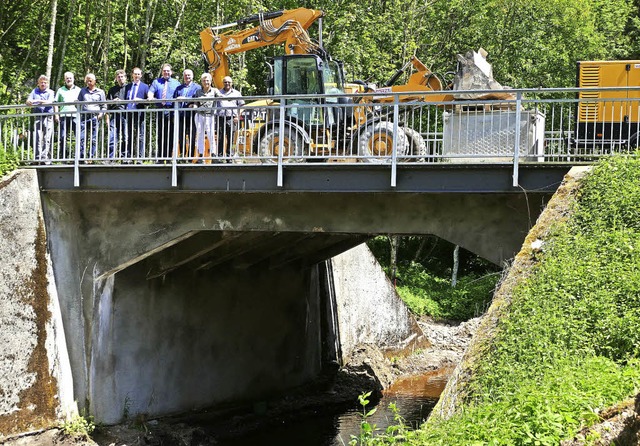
<point x="135" y="92"/>
<point x="163" y="89"/>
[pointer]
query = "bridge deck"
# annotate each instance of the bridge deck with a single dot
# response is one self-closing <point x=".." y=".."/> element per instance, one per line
<point x="321" y="178"/>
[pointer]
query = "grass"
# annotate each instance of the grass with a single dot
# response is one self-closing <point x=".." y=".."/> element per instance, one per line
<point x="427" y="294"/>
<point x="569" y="345"/>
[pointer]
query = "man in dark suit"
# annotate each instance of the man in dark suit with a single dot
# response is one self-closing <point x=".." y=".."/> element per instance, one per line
<point x="136" y="91"/>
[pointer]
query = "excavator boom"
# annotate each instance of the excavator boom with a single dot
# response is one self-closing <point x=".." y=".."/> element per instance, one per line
<point x="285" y="26"/>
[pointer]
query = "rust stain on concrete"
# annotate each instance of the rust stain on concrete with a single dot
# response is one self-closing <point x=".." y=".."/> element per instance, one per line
<point x="37" y="408"/>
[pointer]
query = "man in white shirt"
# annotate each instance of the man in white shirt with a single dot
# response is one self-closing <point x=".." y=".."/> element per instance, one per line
<point x="228" y="107"/>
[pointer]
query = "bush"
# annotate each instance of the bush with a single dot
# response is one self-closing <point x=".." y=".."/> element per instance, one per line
<point x="78" y="427"/>
<point x="8" y="161"/>
<point x="427" y="294"/>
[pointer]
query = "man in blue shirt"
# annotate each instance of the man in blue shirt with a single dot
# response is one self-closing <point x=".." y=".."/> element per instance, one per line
<point x="187" y="123"/>
<point x="163" y="88"/>
<point x="41" y="98"/>
<point x="91" y="114"/>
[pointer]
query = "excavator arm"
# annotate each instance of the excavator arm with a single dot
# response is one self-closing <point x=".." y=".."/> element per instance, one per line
<point x="285" y="26"/>
<point x="422" y="79"/>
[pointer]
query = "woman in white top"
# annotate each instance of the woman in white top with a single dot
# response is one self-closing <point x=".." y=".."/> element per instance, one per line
<point x="206" y="114"/>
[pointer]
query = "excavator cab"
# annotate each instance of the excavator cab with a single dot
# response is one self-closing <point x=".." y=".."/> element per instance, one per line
<point x="310" y="77"/>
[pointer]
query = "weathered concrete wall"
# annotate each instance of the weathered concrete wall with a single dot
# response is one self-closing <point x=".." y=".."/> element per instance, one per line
<point x="35" y="376"/>
<point x="369" y="310"/>
<point x="490" y="225"/>
<point x="182" y="341"/>
<point x="194" y="340"/>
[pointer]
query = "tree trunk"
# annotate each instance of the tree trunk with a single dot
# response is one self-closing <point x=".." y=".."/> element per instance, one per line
<point x="126" y="48"/>
<point x="63" y="39"/>
<point x="456" y="263"/>
<point x="88" y="40"/>
<point x="107" y="42"/>
<point x="148" y="21"/>
<point x="418" y="253"/>
<point x="393" y="261"/>
<point x="175" y="31"/>
<point x="52" y="35"/>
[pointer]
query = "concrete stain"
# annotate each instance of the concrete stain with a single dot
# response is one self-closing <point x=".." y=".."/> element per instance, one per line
<point x="38" y="403"/>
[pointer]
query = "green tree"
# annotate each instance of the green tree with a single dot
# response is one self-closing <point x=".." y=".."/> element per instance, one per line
<point x="530" y="43"/>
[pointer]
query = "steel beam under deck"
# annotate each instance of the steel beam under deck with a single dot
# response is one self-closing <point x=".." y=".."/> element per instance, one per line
<point x="366" y="178"/>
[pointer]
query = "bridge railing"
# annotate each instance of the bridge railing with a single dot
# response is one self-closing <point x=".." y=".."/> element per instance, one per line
<point x="508" y="126"/>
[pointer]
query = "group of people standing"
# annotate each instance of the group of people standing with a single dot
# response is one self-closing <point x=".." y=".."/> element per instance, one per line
<point x="214" y="117"/>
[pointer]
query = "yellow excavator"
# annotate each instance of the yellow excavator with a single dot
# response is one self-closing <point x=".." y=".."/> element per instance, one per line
<point x="311" y="121"/>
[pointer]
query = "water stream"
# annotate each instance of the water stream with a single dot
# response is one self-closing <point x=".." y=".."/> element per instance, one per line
<point x="414" y="398"/>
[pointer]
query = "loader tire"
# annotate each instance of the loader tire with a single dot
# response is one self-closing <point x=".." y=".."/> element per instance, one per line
<point x="375" y="143"/>
<point x="417" y="145"/>
<point x="269" y="146"/>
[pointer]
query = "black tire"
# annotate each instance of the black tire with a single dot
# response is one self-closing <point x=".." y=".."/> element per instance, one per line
<point x="417" y="145"/>
<point x="375" y="143"/>
<point x="269" y="146"/>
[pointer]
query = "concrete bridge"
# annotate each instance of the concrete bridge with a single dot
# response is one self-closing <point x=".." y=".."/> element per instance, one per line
<point x="170" y="286"/>
<point x="162" y="300"/>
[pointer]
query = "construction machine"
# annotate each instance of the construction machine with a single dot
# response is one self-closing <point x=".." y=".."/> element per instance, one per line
<point x="608" y="118"/>
<point x="321" y="115"/>
<point x="320" y="120"/>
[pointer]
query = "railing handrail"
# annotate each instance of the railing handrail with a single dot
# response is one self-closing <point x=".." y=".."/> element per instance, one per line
<point x="507" y="126"/>
<point x="368" y="95"/>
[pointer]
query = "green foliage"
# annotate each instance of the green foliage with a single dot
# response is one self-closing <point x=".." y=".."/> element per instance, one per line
<point x="569" y="346"/>
<point x="602" y="210"/>
<point x="423" y="277"/>
<point x="78" y="426"/>
<point x="8" y="161"/>
<point x="530" y="43"/>
<point x="370" y="435"/>
<point x="367" y="429"/>
<point x="427" y="294"/>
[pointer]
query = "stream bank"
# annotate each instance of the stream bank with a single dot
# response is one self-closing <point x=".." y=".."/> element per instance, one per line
<point x="367" y="369"/>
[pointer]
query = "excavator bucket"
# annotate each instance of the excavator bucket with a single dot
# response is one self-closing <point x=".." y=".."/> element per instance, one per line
<point x="475" y="73"/>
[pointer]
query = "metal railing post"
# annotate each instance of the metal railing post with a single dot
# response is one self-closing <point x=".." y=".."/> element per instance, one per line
<point x="174" y="153"/>
<point x="76" y="158"/>
<point x="280" y="180"/>
<point x="394" y="151"/>
<point x="516" y="152"/>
